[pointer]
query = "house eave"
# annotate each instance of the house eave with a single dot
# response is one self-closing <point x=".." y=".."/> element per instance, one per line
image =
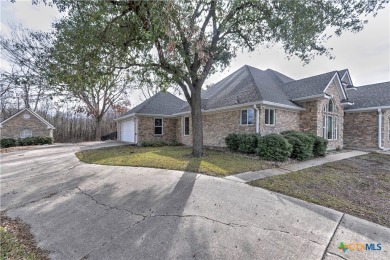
<point x="124" y="117"/>
<point x="141" y="114"/>
<point x="366" y="109"/>
<point x="313" y="97"/>
<point x="267" y="103"/>
<point x="347" y="103"/>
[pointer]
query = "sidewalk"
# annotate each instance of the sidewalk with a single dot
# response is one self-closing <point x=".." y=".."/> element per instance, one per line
<point x="251" y="176"/>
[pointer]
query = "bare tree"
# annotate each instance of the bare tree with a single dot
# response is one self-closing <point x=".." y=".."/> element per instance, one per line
<point x="26" y="53"/>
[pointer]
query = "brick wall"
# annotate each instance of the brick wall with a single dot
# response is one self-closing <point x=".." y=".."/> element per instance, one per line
<point x="284" y="120"/>
<point x="146" y="129"/>
<point x="361" y="129"/>
<point x="180" y="137"/>
<point x="217" y="126"/>
<point x="12" y="128"/>
<point x="310" y="119"/>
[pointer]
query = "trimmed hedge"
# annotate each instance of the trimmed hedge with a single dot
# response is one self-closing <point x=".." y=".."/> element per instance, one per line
<point x="243" y="143"/>
<point x="36" y="140"/>
<point x="274" y="147"/>
<point x="247" y="143"/>
<point x="302" y="145"/>
<point x="7" y="142"/>
<point x="159" y="143"/>
<point x="320" y="145"/>
<point x="232" y="142"/>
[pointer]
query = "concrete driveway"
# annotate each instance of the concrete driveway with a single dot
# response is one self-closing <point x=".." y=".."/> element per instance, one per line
<point x="78" y="210"/>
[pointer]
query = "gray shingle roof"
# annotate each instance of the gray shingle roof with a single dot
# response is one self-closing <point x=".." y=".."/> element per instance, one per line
<point x="269" y="85"/>
<point x="375" y="95"/>
<point x="308" y="86"/>
<point x="246" y="85"/>
<point x="163" y="103"/>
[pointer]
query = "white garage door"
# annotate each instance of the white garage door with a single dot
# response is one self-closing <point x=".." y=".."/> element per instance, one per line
<point x="127" y="131"/>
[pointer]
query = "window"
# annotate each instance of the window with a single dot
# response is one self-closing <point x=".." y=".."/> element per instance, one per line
<point x="25" y="133"/>
<point x="247" y="117"/>
<point x="186" y="126"/>
<point x="270" y="117"/>
<point x="158" y="126"/>
<point x="330" y="121"/>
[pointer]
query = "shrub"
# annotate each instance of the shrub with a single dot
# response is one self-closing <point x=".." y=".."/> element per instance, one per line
<point x="274" y="147"/>
<point x="232" y="142"/>
<point x="302" y="145"/>
<point x="247" y="143"/>
<point x="159" y="143"/>
<point x="7" y="142"/>
<point x="320" y="145"/>
<point x="28" y="141"/>
<point x="35" y="140"/>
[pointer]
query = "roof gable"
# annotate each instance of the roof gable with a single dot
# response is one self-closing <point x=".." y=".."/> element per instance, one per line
<point x="339" y="86"/>
<point x="49" y="126"/>
<point x="162" y="103"/>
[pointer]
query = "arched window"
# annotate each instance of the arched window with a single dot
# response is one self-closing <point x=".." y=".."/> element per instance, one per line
<point x="329" y="121"/>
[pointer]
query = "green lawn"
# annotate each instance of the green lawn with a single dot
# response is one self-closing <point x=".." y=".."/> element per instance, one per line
<point x="175" y="158"/>
<point x="359" y="186"/>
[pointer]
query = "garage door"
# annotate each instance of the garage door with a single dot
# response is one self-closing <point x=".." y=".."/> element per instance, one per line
<point x="127" y="131"/>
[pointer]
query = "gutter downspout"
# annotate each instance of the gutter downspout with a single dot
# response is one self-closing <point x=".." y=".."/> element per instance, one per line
<point x="380" y="129"/>
<point x="257" y="119"/>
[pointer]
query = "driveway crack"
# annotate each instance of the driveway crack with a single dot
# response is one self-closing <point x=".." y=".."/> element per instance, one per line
<point x="109" y="206"/>
<point x="236" y="225"/>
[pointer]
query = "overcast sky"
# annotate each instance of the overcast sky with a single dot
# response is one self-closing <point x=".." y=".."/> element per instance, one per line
<point x="366" y="54"/>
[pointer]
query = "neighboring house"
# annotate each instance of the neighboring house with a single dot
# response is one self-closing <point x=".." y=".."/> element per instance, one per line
<point x="25" y="123"/>
<point x="248" y="101"/>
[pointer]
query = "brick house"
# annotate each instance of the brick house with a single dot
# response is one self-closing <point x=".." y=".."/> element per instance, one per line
<point x="25" y="123"/>
<point x="252" y="101"/>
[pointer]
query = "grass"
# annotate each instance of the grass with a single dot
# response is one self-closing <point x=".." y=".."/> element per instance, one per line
<point x="16" y="241"/>
<point x="359" y="186"/>
<point x="175" y="158"/>
<point x="12" y="249"/>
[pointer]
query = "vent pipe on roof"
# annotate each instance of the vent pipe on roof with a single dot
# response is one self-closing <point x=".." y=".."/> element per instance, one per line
<point x="380" y="129"/>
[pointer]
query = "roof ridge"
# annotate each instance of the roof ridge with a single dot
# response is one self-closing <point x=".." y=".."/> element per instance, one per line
<point x="254" y="81"/>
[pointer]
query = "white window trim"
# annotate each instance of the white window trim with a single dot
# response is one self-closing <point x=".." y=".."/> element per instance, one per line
<point x="334" y="118"/>
<point x="162" y="126"/>
<point x="23" y="135"/>
<point x="184" y="126"/>
<point x="269" y="116"/>
<point x="254" y="114"/>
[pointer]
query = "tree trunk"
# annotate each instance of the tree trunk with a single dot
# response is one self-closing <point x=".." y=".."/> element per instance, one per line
<point x="197" y="125"/>
<point x="98" y="129"/>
